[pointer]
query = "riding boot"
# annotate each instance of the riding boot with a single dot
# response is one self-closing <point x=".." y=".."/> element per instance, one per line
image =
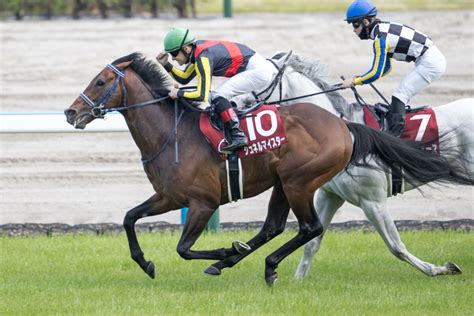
<point x="396" y="117"/>
<point x="234" y="136"/>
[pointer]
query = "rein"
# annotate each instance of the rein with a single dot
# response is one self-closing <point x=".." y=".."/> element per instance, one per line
<point x="277" y="81"/>
<point x="305" y="96"/>
<point x="168" y="139"/>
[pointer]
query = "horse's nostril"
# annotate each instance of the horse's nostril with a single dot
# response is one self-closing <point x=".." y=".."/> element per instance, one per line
<point x="70" y="113"/>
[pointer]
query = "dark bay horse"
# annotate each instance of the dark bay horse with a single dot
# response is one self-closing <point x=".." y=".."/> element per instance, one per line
<point x="319" y="146"/>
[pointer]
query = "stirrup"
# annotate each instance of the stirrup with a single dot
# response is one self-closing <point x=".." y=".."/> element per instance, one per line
<point x="228" y="149"/>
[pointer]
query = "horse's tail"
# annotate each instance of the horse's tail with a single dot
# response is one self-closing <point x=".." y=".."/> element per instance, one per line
<point x="419" y="166"/>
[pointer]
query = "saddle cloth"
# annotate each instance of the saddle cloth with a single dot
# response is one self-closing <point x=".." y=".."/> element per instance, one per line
<point x="262" y="127"/>
<point x="420" y="126"/>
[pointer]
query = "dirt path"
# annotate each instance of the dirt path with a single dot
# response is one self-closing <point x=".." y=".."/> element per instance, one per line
<point x="92" y="177"/>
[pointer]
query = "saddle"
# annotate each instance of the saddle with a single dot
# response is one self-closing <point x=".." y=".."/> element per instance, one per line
<point x="375" y="116"/>
<point x="420" y="126"/>
<point x="261" y="124"/>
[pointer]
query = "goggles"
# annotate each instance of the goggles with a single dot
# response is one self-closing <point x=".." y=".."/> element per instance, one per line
<point x="356" y="24"/>
<point x="175" y="52"/>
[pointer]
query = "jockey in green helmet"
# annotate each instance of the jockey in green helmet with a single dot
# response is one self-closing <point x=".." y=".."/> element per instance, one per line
<point x="176" y="39"/>
<point x="247" y="71"/>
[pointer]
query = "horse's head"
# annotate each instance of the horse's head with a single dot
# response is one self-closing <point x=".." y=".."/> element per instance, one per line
<point x="105" y="91"/>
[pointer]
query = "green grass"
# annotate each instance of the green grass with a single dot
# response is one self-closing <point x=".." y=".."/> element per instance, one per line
<point x="298" y="6"/>
<point x="353" y="274"/>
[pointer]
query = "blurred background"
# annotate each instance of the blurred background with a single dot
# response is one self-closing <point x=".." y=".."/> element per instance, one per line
<point x="76" y="9"/>
<point x="50" y="50"/>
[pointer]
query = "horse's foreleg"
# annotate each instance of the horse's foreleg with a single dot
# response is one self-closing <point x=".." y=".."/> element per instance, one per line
<point x="376" y="212"/>
<point x="153" y="206"/>
<point x="278" y="210"/>
<point x="327" y="203"/>
<point x="196" y="220"/>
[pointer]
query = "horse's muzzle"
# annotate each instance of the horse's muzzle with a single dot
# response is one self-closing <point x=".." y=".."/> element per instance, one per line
<point x="79" y="121"/>
<point x="70" y="115"/>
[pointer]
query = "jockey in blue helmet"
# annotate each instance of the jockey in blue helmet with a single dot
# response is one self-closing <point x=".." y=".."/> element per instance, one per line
<point x="400" y="42"/>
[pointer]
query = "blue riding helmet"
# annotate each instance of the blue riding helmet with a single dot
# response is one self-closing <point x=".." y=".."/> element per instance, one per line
<point x="360" y="9"/>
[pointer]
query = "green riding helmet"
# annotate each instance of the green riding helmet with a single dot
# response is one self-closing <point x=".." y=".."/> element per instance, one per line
<point x="177" y="38"/>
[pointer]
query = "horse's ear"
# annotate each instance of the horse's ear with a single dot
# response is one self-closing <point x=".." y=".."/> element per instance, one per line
<point x="124" y="65"/>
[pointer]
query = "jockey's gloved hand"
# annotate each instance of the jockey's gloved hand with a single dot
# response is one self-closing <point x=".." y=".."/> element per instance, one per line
<point x="162" y="58"/>
<point x="173" y="94"/>
<point x="396" y="122"/>
<point x="347" y="83"/>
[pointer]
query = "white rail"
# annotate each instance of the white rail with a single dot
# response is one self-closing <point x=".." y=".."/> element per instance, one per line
<point x="55" y="122"/>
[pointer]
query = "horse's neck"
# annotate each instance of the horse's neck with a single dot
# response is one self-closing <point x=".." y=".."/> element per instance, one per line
<point x="356" y="114"/>
<point x="149" y="125"/>
<point x="295" y="84"/>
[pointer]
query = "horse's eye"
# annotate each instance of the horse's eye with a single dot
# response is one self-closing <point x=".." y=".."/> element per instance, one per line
<point x="100" y="83"/>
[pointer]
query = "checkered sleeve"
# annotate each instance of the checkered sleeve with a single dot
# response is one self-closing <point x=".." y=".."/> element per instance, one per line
<point x="406" y="43"/>
<point x="379" y="63"/>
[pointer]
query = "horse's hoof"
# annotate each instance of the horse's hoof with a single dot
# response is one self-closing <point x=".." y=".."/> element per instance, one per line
<point x="241" y="247"/>
<point x="453" y="268"/>
<point x="150" y="269"/>
<point x="211" y="270"/>
<point x="271" y="279"/>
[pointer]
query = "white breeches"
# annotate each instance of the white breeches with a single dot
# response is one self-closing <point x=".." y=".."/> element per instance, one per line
<point x="257" y="76"/>
<point x="428" y="68"/>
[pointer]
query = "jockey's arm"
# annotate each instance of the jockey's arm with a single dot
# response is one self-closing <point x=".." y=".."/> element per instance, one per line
<point x="379" y="64"/>
<point x="183" y="77"/>
<point x="388" y="67"/>
<point x="204" y="74"/>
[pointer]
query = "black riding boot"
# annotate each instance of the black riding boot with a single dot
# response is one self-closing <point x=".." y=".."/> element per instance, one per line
<point x="234" y="136"/>
<point x="396" y="117"/>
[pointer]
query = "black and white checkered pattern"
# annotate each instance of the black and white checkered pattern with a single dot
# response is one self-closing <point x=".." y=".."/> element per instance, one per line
<point x="406" y="43"/>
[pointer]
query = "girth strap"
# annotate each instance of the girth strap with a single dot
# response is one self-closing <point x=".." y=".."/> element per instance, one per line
<point x="234" y="177"/>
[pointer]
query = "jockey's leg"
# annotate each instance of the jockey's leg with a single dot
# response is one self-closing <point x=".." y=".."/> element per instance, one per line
<point x="409" y="87"/>
<point x="234" y="135"/>
<point x="396" y="117"/>
<point x="258" y="75"/>
<point x="430" y="67"/>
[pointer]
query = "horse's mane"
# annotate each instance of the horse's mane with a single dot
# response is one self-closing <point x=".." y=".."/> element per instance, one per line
<point x="152" y="73"/>
<point x="315" y="71"/>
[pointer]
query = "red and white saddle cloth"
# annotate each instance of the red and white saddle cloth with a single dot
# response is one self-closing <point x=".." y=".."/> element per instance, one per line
<point x="262" y="127"/>
<point x="420" y="126"/>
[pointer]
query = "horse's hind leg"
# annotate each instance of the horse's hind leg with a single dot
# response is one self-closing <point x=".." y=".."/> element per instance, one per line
<point x="327" y="203"/>
<point x="153" y="206"/>
<point x="278" y="209"/>
<point x="309" y="227"/>
<point x="196" y="220"/>
<point x="377" y="214"/>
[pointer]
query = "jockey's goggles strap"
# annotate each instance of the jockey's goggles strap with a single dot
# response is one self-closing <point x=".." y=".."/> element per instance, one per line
<point x="184" y="39"/>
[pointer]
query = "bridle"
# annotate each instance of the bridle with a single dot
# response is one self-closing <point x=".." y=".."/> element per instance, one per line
<point x="98" y="109"/>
